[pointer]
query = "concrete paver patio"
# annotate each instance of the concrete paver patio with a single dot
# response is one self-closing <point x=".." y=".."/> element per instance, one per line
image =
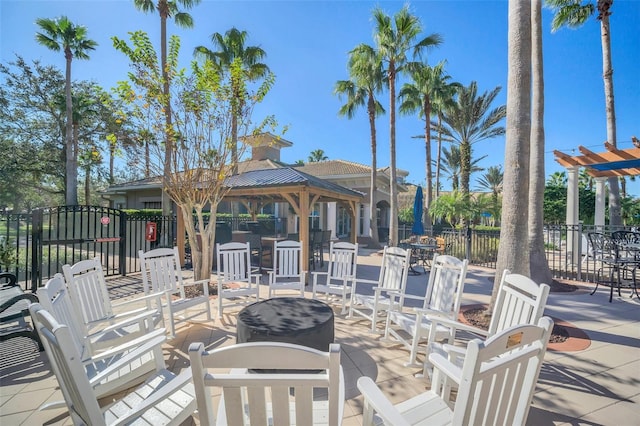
<point x="599" y="385"/>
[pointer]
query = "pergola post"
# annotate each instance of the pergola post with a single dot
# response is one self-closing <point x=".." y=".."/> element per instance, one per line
<point x="304" y="227"/>
<point x="600" y="197"/>
<point x="352" y="208"/>
<point x="572" y="212"/>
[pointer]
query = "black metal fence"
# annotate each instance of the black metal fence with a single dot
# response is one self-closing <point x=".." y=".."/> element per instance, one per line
<point x="34" y="246"/>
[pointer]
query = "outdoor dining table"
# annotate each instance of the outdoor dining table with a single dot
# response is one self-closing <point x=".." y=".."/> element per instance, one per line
<point x="421" y="253"/>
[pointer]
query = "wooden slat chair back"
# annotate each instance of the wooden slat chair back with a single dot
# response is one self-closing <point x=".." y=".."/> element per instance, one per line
<point x="308" y="389"/>
<point x="442" y="298"/>
<point x="520" y="301"/>
<point x="164" y="399"/>
<point x="107" y="370"/>
<point x="392" y="280"/>
<point x="497" y="382"/>
<point x="288" y="273"/>
<point x="161" y="273"/>
<point x="88" y="288"/>
<point x="341" y="272"/>
<point x="234" y="267"/>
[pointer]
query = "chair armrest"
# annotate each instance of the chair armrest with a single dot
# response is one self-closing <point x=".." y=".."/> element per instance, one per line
<point x="446" y="367"/>
<point x="315" y="277"/>
<point x="183" y="382"/>
<point x="156" y="338"/>
<point x="375" y="399"/>
<point x="141" y="315"/>
<point x="126" y="359"/>
<point x="456" y="325"/>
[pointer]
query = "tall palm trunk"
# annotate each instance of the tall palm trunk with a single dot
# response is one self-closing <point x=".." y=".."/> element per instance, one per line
<point x="539" y="266"/>
<point x="71" y="171"/>
<point x="604" y="6"/>
<point x="393" y="220"/>
<point x="426" y="220"/>
<point x="168" y="138"/>
<point x="513" y="251"/>
<point x="373" y="187"/>
<point x="438" y="156"/>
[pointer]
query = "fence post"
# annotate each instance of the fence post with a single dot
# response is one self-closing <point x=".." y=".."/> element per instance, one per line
<point x="580" y="248"/>
<point x="122" y="244"/>
<point x="36" y="249"/>
<point x="468" y="245"/>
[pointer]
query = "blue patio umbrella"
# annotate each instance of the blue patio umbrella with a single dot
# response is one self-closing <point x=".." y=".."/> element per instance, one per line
<point x="417" y="228"/>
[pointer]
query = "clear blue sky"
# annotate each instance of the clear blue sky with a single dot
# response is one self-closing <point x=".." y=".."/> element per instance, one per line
<point x="307" y="43"/>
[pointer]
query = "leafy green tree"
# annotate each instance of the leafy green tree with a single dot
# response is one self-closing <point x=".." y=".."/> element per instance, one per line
<point x="558" y="179"/>
<point x="299" y="163"/>
<point x="573" y="14"/>
<point x="366" y="79"/>
<point x="317" y="155"/>
<point x="167" y="9"/>
<point x="202" y="158"/>
<point x="451" y="207"/>
<point x="469" y="120"/>
<point x="394" y="39"/>
<point x="232" y="52"/>
<point x="62" y="34"/>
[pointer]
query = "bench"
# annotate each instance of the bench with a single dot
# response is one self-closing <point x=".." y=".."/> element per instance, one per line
<point x="14" y="307"/>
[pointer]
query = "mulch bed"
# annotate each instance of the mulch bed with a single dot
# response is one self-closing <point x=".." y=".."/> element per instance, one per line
<point x="478" y="318"/>
<point x="560" y="287"/>
<point x="191" y="291"/>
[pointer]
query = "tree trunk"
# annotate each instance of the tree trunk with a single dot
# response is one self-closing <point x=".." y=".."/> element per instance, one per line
<point x="373" y="187"/>
<point x="71" y="193"/>
<point x="513" y="251"/>
<point x="426" y="220"/>
<point x="168" y="139"/>
<point x="438" y="156"/>
<point x="539" y="266"/>
<point x="615" y="217"/>
<point x="393" y="219"/>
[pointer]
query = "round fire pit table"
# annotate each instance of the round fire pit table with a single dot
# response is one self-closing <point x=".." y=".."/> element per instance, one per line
<point x="296" y="320"/>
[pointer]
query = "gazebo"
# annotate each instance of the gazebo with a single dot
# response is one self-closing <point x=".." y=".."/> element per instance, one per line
<point x="299" y="189"/>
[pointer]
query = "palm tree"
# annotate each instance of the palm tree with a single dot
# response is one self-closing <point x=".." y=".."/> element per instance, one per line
<point x="557" y="179"/>
<point x="62" y="34"/>
<point x="441" y="99"/>
<point x="451" y="165"/>
<point x="167" y="9"/>
<point x="470" y="120"/>
<point x="233" y="53"/>
<point x="317" y="155"/>
<point x="366" y="79"/>
<point x="513" y="249"/>
<point x="491" y="181"/>
<point x="415" y="97"/>
<point x="394" y="40"/>
<point x="539" y="266"/>
<point x="573" y="14"/>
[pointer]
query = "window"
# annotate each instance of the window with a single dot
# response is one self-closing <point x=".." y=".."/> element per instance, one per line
<point x="152" y="204"/>
<point x="343" y="223"/>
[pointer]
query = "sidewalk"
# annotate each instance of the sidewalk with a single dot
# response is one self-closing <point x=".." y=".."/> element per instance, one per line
<point x="599" y="385"/>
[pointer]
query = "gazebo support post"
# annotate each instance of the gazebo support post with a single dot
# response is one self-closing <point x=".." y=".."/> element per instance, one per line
<point x="572" y="212"/>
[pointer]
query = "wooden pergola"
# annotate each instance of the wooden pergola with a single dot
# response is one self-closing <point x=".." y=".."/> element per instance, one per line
<point x="611" y="163"/>
<point x="602" y="165"/>
<point x="301" y="190"/>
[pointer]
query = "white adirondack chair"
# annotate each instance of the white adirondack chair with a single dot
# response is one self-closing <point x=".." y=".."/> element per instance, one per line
<point x="234" y="272"/>
<point x="270" y="397"/>
<point x="442" y="298"/>
<point x="341" y="272"/>
<point x="88" y="289"/>
<point x="111" y="370"/>
<point x="287" y="271"/>
<point x="392" y="281"/>
<point x="161" y="273"/>
<point x="497" y="382"/>
<point x="164" y="398"/>
<point x="520" y="301"/>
